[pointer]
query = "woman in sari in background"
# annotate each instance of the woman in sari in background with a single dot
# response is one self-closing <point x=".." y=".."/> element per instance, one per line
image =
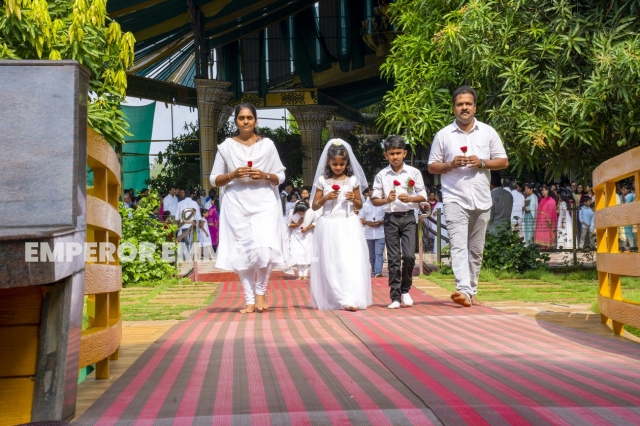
<point x="212" y="222"/>
<point x="546" y="220"/>
<point x="530" y="211"/>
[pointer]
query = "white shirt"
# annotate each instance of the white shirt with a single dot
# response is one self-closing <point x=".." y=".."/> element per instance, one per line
<point x="371" y="213"/>
<point x="188" y="203"/>
<point x="170" y="204"/>
<point x="383" y="185"/>
<point x="518" y="205"/>
<point x="467" y="186"/>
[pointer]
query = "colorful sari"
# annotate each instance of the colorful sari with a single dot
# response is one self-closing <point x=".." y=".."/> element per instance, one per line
<point x="546" y="223"/>
<point x="212" y="222"/>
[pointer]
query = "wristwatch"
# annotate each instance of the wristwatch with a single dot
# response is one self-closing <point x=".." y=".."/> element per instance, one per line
<point x="267" y="176"/>
<point x="483" y="164"/>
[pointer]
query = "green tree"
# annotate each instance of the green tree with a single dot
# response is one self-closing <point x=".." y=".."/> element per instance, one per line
<point x="66" y="29"/>
<point x="558" y="79"/>
<point x="181" y="167"/>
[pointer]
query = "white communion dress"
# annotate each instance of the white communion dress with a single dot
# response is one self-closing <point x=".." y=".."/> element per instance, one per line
<point x="301" y="242"/>
<point x="252" y="232"/>
<point x="340" y="275"/>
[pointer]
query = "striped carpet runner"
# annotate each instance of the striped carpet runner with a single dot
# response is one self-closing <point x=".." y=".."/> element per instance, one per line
<point x="434" y="363"/>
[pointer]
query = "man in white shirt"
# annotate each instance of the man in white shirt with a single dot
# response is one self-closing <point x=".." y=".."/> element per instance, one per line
<point x="372" y="219"/>
<point x="170" y="202"/>
<point x="465" y="188"/>
<point x="399" y="189"/>
<point x="187" y="242"/>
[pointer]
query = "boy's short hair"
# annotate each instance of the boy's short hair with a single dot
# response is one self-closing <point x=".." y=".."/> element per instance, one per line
<point x="394" y="142"/>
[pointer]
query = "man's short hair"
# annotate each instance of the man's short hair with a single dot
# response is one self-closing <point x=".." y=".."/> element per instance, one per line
<point x="173" y="187"/>
<point x="496" y="180"/>
<point x="514" y="186"/>
<point x="394" y="142"/>
<point x="506" y="182"/>
<point x="464" y="90"/>
<point x="187" y="193"/>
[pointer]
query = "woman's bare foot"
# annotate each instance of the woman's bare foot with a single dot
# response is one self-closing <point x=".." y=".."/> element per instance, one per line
<point x="261" y="302"/>
<point x="460" y="299"/>
<point x="476" y="302"/>
<point x="351" y="308"/>
<point x="248" y="309"/>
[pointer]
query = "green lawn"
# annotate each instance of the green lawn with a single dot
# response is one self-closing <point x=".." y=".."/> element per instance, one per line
<point x="543" y="286"/>
<point x="171" y="299"/>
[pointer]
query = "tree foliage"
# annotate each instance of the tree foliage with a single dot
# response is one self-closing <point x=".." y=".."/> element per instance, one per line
<point x="558" y="79"/>
<point x="74" y="29"/>
<point x="180" y="169"/>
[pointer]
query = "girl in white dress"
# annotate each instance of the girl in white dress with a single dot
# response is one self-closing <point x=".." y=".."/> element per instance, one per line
<point x="565" y="224"/>
<point x="340" y="276"/>
<point x="204" y="238"/>
<point x="248" y="170"/>
<point x="301" y="226"/>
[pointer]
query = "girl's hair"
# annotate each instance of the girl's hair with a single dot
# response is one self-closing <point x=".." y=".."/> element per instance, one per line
<point x="337" y="151"/>
<point x="290" y="196"/>
<point x="300" y="207"/>
<point x="239" y="108"/>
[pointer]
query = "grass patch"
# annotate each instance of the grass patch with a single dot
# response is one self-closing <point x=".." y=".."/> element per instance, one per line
<point x="531" y="286"/>
<point x="142" y="302"/>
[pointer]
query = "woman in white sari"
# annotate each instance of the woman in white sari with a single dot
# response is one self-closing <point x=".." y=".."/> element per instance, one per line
<point x="248" y="170"/>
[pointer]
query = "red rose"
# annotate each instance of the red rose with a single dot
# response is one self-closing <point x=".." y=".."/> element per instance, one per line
<point x="396" y="183"/>
<point x="302" y="227"/>
<point x="463" y="149"/>
<point x="411" y="182"/>
<point x="336" y="187"/>
<point x="249" y="163"/>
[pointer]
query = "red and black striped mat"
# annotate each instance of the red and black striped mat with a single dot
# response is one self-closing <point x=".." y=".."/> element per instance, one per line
<point x="433" y="363"/>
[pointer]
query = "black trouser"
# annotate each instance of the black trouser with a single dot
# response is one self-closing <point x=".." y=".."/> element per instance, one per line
<point x="400" y="233"/>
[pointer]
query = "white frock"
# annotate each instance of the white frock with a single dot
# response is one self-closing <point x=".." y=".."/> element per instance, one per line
<point x="564" y="236"/>
<point x="252" y="232"/>
<point x="340" y="270"/>
<point x="301" y="243"/>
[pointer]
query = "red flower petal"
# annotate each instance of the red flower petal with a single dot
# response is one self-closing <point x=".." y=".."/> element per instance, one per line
<point x="463" y="149"/>
<point x="249" y="163"/>
<point x="396" y="183"/>
<point x="336" y="187"/>
<point x="411" y="182"/>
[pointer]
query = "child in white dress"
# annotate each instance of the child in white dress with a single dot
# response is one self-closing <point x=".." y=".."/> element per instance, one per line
<point x="204" y="238"/>
<point x="340" y="275"/>
<point x="301" y="237"/>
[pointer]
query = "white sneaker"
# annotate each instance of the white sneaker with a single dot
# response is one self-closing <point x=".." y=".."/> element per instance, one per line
<point x="394" y="305"/>
<point x="407" y="300"/>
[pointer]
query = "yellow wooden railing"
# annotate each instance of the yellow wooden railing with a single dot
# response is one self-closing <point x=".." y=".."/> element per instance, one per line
<point x="103" y="278"/>
<point x="611" y="263"/>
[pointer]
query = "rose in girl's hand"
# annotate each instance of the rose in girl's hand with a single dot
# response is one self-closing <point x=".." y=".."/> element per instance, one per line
<point x="335" y="187"/>
<point x="249" y="163"/>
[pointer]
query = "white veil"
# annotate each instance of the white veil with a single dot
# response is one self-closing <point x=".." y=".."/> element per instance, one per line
<point x="355" y="166"/>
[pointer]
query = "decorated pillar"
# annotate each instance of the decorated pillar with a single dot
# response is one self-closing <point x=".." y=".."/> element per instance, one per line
<point x="226" y="112"/>
<point x="212" y="98"/>
<point x="340" y="129"/>
<point x="311" y="119"/>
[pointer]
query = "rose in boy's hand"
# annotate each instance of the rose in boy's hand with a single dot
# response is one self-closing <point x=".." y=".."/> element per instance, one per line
<point x="249" y="163"/>
<point x="396" y="183"/>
